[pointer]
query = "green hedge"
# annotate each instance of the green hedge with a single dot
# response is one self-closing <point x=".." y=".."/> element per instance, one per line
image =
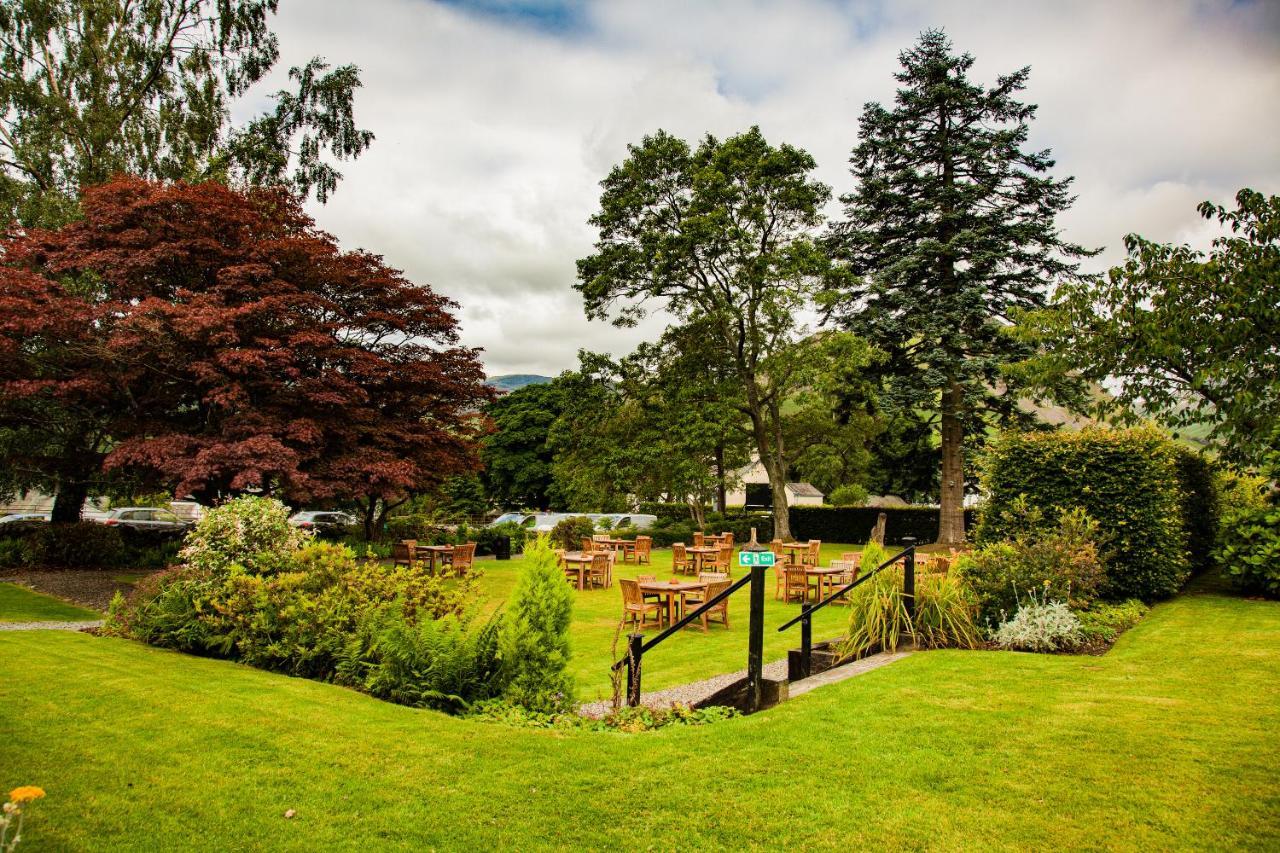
<point x="1128" y="480"/>
<point x="853" y="524"/>
<point x="1200" y="508"/>
<point x="667" y="513"/>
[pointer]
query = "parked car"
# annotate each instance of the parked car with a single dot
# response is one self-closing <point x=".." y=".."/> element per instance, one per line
<point x="147" y="522"/>
<point x="21" y="523"/>
<point x="324" y="523"/>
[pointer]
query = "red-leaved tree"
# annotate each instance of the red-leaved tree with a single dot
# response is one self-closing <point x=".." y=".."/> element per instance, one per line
<point x="218" y="342"/>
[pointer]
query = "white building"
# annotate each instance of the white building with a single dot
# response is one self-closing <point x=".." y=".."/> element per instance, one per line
<point x="753" y="490"/>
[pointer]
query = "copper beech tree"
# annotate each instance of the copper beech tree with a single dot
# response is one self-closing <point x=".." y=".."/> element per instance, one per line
<point x="216" y="341"/>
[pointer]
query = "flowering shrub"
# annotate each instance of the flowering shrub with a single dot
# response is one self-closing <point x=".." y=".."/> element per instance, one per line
<point x="250" y="532"/>
<point x="11" y="815"/>
<point x="1040" y="626"/>
<point x="1061" y="561"/>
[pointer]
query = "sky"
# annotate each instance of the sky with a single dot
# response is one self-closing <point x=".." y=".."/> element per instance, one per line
<point x="496" y="120"/>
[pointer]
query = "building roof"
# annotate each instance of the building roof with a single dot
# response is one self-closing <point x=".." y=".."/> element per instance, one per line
<point x="803" y="490"/>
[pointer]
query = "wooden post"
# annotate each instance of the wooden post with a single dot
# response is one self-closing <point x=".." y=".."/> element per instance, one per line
<point x="755" y="630"/>
<point x="806" y="639"/>
<point x="634" y="642"/>
<point x="909" y="578"/>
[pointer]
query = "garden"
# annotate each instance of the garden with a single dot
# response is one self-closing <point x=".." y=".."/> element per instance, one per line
<point x="1000" y="533"/>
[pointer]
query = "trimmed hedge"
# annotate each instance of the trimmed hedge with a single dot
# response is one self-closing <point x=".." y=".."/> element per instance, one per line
<point x="853" y="524"/>
<point x="1201" y="509"/>
<point x="1128" y="480"/>
<point x="667" y="513"/>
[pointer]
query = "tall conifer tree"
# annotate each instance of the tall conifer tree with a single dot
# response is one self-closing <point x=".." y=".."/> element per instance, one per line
<point x="949" y="232"/>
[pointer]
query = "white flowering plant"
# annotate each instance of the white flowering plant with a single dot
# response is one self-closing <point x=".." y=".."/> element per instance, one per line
<point x="1040" y="625"/>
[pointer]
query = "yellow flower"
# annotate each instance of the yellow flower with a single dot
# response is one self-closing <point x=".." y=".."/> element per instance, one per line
<point x="26" y="794"/>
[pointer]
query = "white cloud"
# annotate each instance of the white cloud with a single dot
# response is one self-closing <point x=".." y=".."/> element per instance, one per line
<point x="492" y="135"/>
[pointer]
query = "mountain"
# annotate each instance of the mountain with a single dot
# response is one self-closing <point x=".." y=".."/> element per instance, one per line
<point x="511" y="381"/>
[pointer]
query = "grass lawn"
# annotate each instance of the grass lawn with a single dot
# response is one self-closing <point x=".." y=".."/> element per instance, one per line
<point x="1168" y="741"/>
<point x="689" y="657"/>
<point x="19" y="604"/>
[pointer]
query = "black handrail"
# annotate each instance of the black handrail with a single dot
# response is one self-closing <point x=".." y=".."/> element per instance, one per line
<point x="687" y="618"/>
<point x="907" y="555"/>
<point x="847" y="587"/>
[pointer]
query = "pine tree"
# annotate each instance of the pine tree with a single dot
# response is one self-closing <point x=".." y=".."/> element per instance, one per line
<point x="950" y="232"/>
<point x="534" y="643"/>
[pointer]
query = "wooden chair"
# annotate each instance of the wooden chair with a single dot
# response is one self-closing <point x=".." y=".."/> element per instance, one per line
<point x="727" y="538"/>
<point x="634" y="607"/>
<point x="724" y="560"/>
<point x="680" y="559"/>
<point x="699" y="540"/>
<point x="403" y="552"/>
<point x="782" y="556"/>
<point x="462" y="558"/>
<point x="798" y="585"/>
<point x="588" y="544"/>
<point x="600" y="572"/>
<point x="712" y="576"/>
<point x="644" y="545"/>
<point x="852" y="560"/>
<point x="696" y="599"/>
<point x="813" y="554"/>
<point x="779" y="580"/>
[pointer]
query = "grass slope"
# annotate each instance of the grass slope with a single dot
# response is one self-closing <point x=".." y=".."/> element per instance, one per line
<point x="19" y="604"/>
<point x="1170" y="740"/>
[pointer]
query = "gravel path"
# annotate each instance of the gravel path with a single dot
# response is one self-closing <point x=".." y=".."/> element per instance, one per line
<point x="686" y="694"/>
<point x="49" y="626"/>
<point x="92" y="588"/>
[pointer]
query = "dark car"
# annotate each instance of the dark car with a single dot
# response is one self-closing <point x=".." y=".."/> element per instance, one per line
<point x="327" y="524"/>
<point x="21" y="523"/>
<point x="144" y="522"/>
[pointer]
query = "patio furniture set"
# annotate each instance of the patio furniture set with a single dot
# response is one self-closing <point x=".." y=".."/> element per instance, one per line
<point x="457" y="558"/>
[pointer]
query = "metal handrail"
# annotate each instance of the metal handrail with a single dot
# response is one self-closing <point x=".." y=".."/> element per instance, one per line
<point x="847" y="587"/>
<point x="687" y="618"/>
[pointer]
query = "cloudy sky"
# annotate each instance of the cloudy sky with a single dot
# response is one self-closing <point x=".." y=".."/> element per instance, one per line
<point x="496" y="120"/>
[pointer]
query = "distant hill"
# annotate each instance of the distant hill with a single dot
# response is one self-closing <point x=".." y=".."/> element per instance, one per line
<point x="511" y="381"/>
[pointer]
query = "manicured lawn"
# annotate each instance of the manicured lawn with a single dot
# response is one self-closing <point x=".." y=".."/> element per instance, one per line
<point x="19" y="604"/>
<point x="688" y="657"/>
<point x="1168" y="741"/>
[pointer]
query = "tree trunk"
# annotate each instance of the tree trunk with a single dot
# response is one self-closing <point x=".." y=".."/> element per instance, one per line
<point x="721" y="491"/>
<point x="370" y="513"/>
<point x="69" y="500"/>
<point x="951" y="515"/>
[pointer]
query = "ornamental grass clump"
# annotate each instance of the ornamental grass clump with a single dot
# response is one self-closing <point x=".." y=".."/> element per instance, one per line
<point x="945" y="612"/>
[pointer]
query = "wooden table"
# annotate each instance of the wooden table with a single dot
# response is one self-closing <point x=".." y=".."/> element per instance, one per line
<point x="716" y="538"/>
<point x="670" y="589"/>
<point x="700" y="553"/>
<point x="625" y="547"/>
<point x="432" y="551"/>
<point x="824" y="577"/>
<point x="581" y="561"/>
<point x="793" y="547"/>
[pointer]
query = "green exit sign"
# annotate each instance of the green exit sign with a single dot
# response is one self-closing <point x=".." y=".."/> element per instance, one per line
<point x="756" y="558"/>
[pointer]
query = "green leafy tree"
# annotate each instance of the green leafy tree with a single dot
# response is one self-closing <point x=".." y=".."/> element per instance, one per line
<point x="1187" y="337"/>
<point x="950" y="230"/>
<point x="721" y="237"/>
<point x="534" y="643"/>
<point x="94" y="88"/>
<point x="517" y="460"/>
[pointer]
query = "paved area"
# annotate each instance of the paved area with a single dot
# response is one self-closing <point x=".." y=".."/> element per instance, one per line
<point x="49" y="626"/>
<point x="849" y="670"/>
